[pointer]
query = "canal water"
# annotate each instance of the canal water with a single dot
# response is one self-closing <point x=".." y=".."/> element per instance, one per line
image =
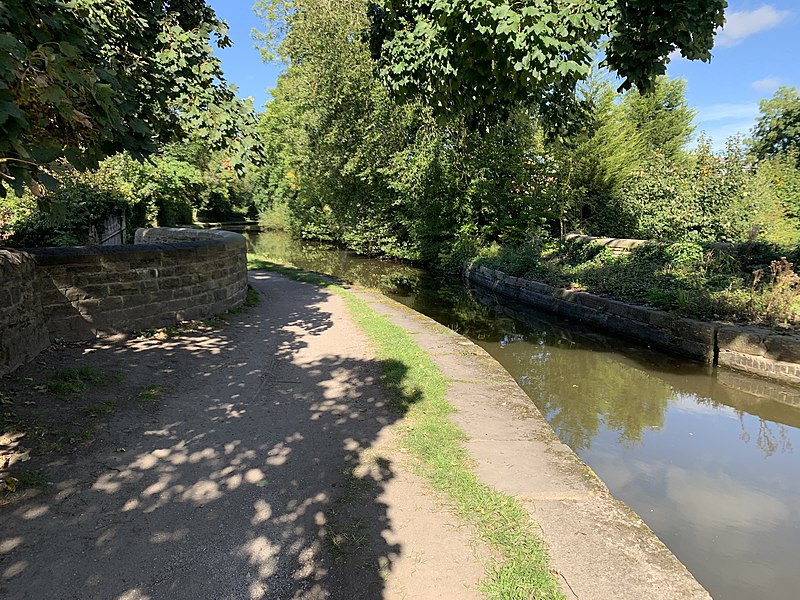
<point x="709" y="458"/>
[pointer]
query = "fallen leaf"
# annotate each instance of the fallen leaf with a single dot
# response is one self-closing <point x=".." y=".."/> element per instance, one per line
<point x="11" y="483"/>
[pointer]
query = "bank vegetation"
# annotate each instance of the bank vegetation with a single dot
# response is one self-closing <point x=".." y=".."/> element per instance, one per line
<point x="337" y="156"/>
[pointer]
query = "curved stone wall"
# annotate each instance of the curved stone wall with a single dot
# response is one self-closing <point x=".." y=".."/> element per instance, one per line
<point x="167" y="276"/>
<point x="771" y="354"/>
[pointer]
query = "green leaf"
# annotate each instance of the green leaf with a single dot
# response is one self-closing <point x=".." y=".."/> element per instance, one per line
<point x="45" y="152"/>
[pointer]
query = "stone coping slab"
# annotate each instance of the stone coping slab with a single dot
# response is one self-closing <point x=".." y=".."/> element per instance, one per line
<point x="773" y="354"/>
<point x="600" y="548"/>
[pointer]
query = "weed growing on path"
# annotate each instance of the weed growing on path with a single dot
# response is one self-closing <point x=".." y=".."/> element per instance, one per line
<point x="22" y="481"/>
<point x="103" y="408"/>
<point x="69" y="382"/>
<point x="151" y="394"/>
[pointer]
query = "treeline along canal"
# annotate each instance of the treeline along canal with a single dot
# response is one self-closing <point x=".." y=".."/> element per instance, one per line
<point x="710" y="459"/>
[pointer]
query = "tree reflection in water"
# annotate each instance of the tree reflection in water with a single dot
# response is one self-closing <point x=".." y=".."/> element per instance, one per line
<point x="578" y="391"/>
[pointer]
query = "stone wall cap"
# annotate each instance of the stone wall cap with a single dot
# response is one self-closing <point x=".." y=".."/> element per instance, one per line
<point x="15" y="261"/>
<point x="181" y="235"/>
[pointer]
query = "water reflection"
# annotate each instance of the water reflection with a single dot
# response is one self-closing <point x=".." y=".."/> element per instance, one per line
<point x="630" y="388"/>
<point x="381" y="275"/>
<point x="705" y="456"/>
<point x="554" y="377"/>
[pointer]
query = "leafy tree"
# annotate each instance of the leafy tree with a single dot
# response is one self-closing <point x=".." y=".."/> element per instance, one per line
<point x="591" y="164"/>
<point x="83" y="79"/>
<point x="661" y="118"/>
<point x="358" y="168"/>
<point x="472" y="57"/>
<point x="702" y="199"/>
<point x="382" y="177"/>
<point x="87" y="198"/>
<point x="183" y="180"/>
<point x="775" y="188"/>
<point x="620" y="136"/>
<point x="777" y="130"/>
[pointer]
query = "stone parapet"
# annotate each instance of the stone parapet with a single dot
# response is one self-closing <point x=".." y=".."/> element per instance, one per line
<point x="23" y="332"/>
<point x="167" y="276"/>
<point x="616" y="245"/>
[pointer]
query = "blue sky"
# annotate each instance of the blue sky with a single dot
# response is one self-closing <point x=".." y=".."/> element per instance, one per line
<point x="242" y="63"/>
<point x="757" y="51"/>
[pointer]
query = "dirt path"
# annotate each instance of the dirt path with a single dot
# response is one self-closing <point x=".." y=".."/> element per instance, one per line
<point x="252" y="461"/>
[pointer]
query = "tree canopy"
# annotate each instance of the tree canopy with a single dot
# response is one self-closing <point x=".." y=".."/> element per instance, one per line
<point x="473" y="57"/>
<point x="777" y="130"/>
<point x="82" y="80"/>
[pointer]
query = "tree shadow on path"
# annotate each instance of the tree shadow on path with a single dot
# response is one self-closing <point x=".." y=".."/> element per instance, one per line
<point x="248" y="480"/>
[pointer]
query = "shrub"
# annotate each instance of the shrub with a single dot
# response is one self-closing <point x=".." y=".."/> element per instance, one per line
<point x="64" y="217"/>
<point x="701" y="280"/>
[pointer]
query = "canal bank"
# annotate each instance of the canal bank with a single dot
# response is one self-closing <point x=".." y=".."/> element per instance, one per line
<point x="763" y="352"/>
<point x="599" y="547"/>
<point x="264" y="458"/>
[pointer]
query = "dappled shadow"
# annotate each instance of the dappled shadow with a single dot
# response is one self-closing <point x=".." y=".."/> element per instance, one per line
<point x="253" y="476"/>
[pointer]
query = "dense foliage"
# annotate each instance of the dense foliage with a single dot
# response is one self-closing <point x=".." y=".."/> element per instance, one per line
<point x="183" y="181"/>
<point x="337" y="157"/>
<point x="382" y="178"/>
<point x="471" y="57"/>
<point x="751" y="282"/>
<point x="349" y="164"/>
<point x="82" y="80"/>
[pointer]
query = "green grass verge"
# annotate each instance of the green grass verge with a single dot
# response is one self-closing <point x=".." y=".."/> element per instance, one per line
<point x="522" y="570"/>
<point x="151" y="394"/>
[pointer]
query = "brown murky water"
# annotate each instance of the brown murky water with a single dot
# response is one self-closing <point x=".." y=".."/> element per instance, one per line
<point x="709" y="458"/>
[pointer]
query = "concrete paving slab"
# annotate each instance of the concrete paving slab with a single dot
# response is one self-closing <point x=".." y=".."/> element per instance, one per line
<point x="464" y="367"/>
<point x="525" y="468"/>
<point x="603" y="550"/>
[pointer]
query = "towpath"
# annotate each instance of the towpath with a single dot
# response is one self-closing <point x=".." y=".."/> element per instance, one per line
<point x="267" y="467"/>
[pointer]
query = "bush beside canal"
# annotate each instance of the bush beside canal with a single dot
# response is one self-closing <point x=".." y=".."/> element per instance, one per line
<point x="748" y="283"/>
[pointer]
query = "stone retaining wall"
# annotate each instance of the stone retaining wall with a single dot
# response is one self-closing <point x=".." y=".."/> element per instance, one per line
<point x="616" y="245"/>
<point x="755" y="350"/>
<point x="23" y="333"/>
<point x="168" y="276"/>
<point x="759" y="351"/>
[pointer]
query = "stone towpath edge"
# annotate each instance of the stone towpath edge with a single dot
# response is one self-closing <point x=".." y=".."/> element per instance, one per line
<point x="599" y="547"/>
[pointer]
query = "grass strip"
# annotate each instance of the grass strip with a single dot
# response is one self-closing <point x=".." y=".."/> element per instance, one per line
<point x="522" y="570"/>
